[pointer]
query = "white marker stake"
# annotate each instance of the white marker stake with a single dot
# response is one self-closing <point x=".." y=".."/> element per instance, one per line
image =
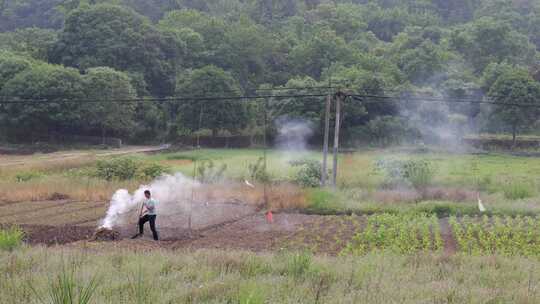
<point x="480" y="205"/>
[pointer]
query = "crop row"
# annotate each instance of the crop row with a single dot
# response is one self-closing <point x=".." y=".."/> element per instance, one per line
<point x="502" y="235"/>
<point x="398" y="233"/>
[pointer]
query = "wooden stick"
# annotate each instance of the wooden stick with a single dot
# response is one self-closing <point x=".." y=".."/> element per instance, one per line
<point x="324" y="169"/>
<point x="336" y="141"/>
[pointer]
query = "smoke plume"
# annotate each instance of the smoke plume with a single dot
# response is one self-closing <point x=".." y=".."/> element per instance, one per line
<point x="293" y="134"/>
<point x="172" y="191"/>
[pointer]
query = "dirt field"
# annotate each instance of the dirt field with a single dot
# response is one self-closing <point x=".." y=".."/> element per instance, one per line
<point x="214" y="226"/>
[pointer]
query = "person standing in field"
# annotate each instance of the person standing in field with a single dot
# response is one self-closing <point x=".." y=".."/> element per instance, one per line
<point x="148" y="214"/>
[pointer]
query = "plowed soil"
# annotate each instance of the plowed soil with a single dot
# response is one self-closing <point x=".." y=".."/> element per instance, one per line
<point x="221" y="226"/>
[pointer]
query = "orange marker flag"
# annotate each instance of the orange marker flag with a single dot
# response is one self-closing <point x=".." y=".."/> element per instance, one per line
<point x="269" y="217"/>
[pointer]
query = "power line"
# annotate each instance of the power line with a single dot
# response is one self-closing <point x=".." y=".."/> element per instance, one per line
<point x="44" y="97"/>
<point x="358" y="97"/>
<point x="392" y="99"/>
<point x="178" y="98"/>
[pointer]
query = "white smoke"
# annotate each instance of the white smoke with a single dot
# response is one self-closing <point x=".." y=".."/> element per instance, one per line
<point x="172" y="191"/>
<point x="293" y="134"/>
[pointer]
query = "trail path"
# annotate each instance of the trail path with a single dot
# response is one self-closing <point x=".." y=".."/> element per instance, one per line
<point x="17" y="160"/>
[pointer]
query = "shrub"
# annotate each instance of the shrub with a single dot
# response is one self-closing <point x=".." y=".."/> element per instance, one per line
<point x="117" y="168"/>
<point x="517" y="190"/>
<point x="258" y="172"/>
<point x="27" y="176"/>
<point x="417" y="173"/>
<point x="208" y="172"/>
<point x="152" y="171"/>
<point x="11" y="238"/>
<point x="309" y="174"/>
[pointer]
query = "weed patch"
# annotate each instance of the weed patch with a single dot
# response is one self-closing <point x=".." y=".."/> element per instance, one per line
<point x="11" y="238"/>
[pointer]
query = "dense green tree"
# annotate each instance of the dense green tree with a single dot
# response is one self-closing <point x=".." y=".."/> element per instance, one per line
<point x="16" y="14"/>
<point x="160" y="48"/>
<point x="104" y="87"/>
<point x="488" y="40"/>
<point x="33" y="42"/>
<point x="316" y="54"/>
<point x="114" y="36"/>
<point x="11" y="65"/>
<point x="515" y="87"/>
<point x="229" y="115"/>
<point x="48" y="104"/>
<point x="345" y="19"/>
<point x="306" y="108"/>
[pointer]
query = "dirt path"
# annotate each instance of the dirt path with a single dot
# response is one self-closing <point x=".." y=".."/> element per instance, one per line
<point x="15" y="160"/>
<point x="450" y="244"/>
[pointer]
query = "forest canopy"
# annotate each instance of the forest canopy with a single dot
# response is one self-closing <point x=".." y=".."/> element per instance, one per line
<point x="67" y="51"/>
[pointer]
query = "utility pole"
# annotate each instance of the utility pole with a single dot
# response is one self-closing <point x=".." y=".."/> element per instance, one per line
<point x="338" y="98"/>
<point x="324" y="169"/>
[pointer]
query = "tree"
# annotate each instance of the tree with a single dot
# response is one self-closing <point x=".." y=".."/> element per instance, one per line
<point x="488" y="40"/>
<point x="511" y="89"/>
<point x="32" y="42"/>
<point x="117" y="37"/>
<point x="16" y="14"/>
<point x="51" y="93"/>
<point x="245" y="52"/>
<point x="105" y="86"/>
<point x="345" y="19"/>
<point x="318" y="52"/>
<point x="216" y="115"/>
<point x="11" y="65"/>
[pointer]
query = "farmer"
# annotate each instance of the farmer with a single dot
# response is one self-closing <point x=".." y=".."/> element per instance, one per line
<point x="148" y="214"/>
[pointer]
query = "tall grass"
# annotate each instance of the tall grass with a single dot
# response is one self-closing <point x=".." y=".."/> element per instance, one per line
<point x="11" y="238"/>
<point x="220" y="277"/>
<point x="518" y="190"/>
<point x="64" y="289"/>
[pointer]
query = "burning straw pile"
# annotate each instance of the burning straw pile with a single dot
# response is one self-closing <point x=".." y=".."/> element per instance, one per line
<point x="104" y="234"/>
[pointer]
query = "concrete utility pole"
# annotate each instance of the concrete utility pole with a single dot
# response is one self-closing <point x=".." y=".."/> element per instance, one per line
<point x="339" y="96"/>
<point x="324" y="169"/>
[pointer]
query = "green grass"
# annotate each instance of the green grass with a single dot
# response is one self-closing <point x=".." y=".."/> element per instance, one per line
<point x="509" y="184"/>
<point x="230" y="277"/>
<point x="11" y="238"/>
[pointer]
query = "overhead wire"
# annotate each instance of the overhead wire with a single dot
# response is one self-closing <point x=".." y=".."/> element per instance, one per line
<point x="366" y="98"/>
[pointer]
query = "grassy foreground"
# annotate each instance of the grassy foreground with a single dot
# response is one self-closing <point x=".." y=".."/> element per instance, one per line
<point x="124" y="276"/>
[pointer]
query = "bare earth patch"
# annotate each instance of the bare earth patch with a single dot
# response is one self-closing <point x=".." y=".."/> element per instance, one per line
<point x="227" y="225"/>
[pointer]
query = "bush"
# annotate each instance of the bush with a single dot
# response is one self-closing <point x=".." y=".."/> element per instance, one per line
<point x="309" y="174"/>
<point x="208" y="172"/>
<point x="117" y="168"/>
<point x="126" y="168"/>
<point x="517" y="190"/>
<point x="417" y="173"/>
<point x="27" y="176"/>
<point x="152" y="171"/>
<point x="11" y="238"/>
<point x="257" y="171"/>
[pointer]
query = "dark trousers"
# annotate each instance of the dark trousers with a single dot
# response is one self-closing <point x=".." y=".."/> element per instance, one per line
<point x="152" y="220"/>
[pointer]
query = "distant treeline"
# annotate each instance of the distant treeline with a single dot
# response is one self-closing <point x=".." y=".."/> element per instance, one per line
<point x="53" y="51"/>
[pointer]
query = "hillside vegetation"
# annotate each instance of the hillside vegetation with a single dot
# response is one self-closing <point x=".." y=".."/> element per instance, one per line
<point x="103" y="51"/>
